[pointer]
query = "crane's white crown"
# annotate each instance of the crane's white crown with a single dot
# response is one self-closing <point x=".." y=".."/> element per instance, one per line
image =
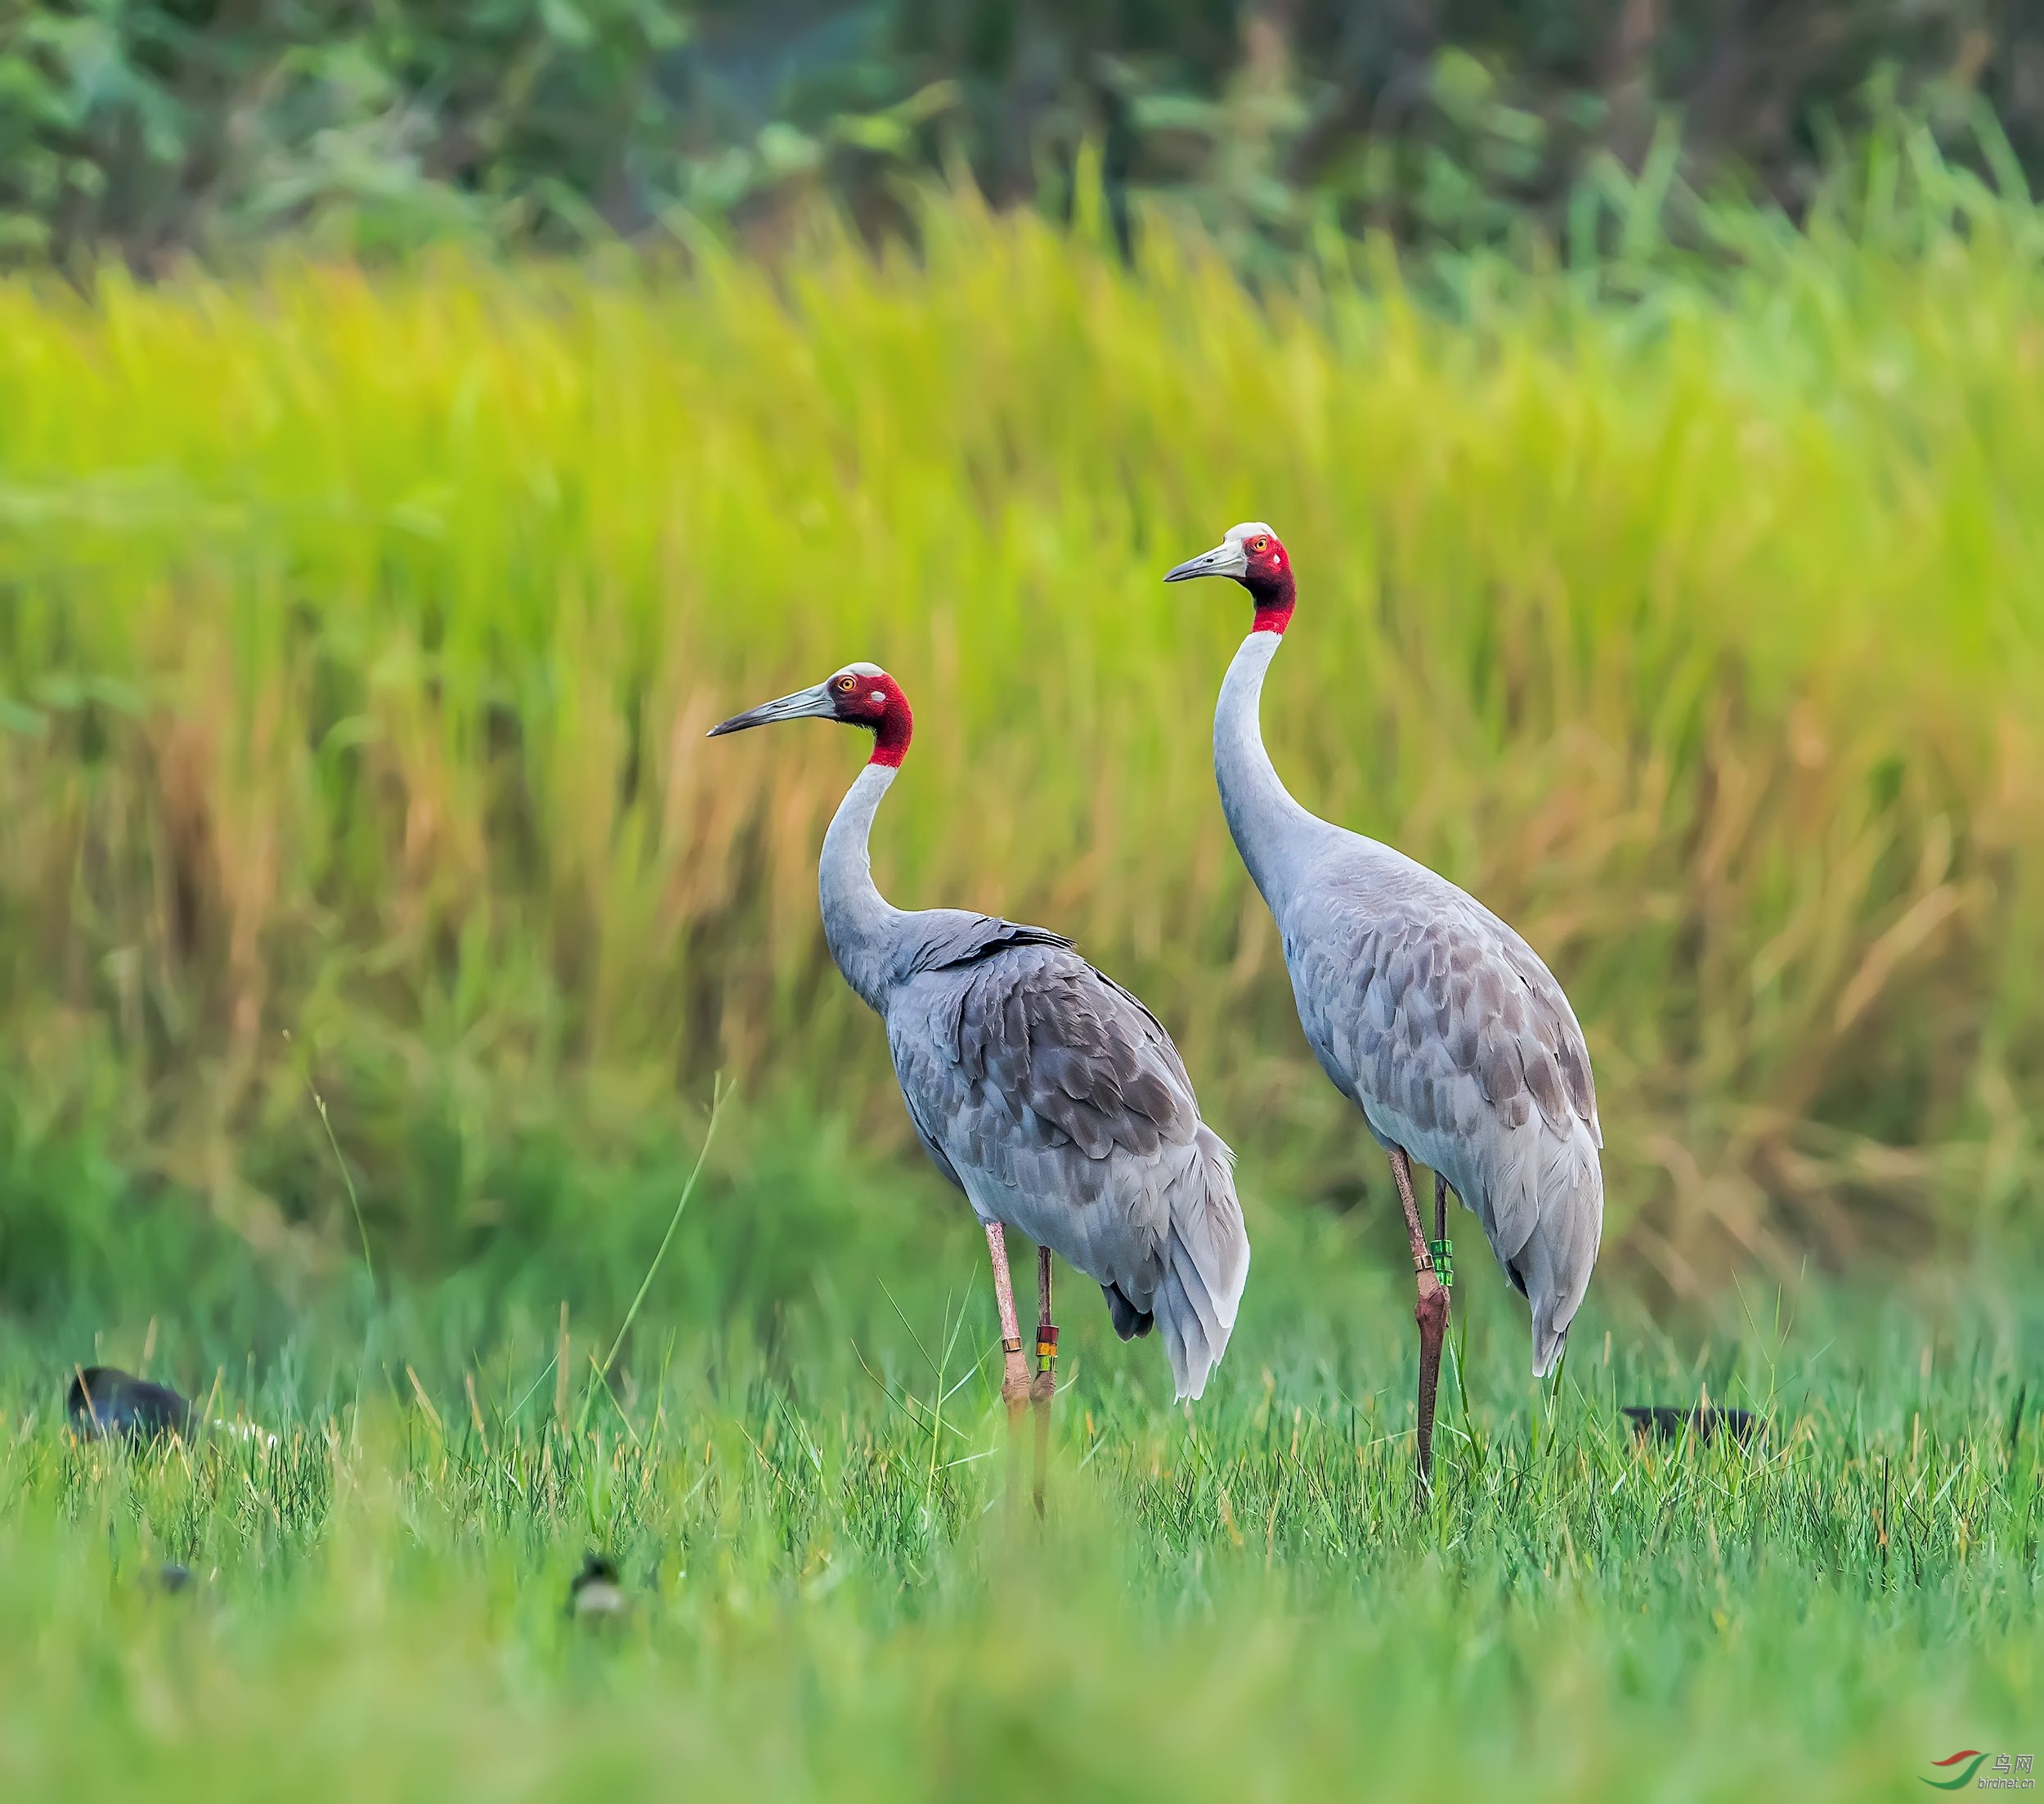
<point x="867" y="672"/>
<point x="1248" y="529"/>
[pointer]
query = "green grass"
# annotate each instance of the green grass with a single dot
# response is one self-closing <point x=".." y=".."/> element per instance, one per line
<point x="836" y="1596"/>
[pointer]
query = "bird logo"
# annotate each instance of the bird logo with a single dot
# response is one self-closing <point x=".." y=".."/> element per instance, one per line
<point x="1971" y="1756"/>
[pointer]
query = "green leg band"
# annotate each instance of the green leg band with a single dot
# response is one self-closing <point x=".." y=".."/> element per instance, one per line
<point x="1444" y="1268"/>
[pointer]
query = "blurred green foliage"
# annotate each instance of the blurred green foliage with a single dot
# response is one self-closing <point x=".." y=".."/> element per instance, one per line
<point x="154" y="127"/>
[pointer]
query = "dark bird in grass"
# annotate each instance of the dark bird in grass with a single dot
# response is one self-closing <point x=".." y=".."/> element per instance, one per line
<point x="171" y="1578"/>
<point x="104" y="1401"/>
<point x="596" y="1594"/>
<point x="1705" y="1421"/>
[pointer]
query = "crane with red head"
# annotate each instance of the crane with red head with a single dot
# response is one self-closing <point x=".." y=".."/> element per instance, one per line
<point x="1427" y="1013"/>
<point x="1046" y="1092"/>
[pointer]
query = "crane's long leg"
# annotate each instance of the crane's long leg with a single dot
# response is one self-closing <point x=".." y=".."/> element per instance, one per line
<point x="1431" y="1312"/>
<point x="1015" y="1376"/>
<point x="1045" y="1387"/>
<point x="1443" y="1250"/>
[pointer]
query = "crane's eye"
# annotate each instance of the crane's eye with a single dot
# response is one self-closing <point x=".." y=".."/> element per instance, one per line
<point x="1259" y="544"/>
<point x="846" y="684"/>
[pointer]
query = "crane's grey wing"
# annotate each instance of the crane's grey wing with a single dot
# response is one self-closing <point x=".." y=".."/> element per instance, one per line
<point x="950" y="939"/>
<point x="1065" y="1112"/>
<point x="1458" y="1045"/>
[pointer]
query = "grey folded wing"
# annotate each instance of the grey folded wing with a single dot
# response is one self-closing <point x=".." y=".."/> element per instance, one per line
<point x="1056" y="1101"/>
<point x="1458" y="1045"/>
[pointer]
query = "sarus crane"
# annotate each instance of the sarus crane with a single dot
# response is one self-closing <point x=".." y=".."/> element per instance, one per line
<point x="1043" y="1090"/>
<point x="1424" y="1009"/>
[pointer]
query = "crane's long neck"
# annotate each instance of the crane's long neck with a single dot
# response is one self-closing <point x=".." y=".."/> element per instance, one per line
<point x="1270" y="829"/>
<point x="860" y="925"/>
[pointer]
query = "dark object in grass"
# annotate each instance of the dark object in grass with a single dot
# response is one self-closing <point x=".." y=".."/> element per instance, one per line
<point x="104" y="1401"/>
<point x="1702" y="1420"/>
<point x="172" y="1578"/>
<point x="596" y="1594"/>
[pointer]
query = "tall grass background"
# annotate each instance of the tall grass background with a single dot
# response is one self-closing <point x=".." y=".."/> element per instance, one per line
<point x="358" y="633"/>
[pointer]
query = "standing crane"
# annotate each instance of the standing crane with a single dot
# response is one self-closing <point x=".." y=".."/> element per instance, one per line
<point x="1426" y="1011"/>
<point x="1043" y="1090"/>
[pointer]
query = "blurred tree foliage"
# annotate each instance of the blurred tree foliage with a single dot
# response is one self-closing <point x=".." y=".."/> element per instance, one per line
<point x="154" y="127"/>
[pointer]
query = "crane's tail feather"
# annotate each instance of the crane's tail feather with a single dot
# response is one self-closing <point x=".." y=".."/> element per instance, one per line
<point x="1129" y="1322"/>
<point x="1553" y="1267"/>
<point x="1206" y="1264"/>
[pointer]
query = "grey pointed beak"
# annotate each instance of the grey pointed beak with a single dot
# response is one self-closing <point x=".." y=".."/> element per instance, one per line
<point x="803" y="705"/>
<point x="1225" y="559"/>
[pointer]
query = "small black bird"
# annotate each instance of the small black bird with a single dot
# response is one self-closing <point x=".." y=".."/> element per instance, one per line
<point x="596" y="1595"/>
<point x="172" y="1578"/>
<point x="104" y="1401"/>
<point x="1705" y="1420"/>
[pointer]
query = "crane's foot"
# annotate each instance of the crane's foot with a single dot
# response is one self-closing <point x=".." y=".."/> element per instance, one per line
<point x="1015" y="1376"/>
<point x="1042" y="1414"/>
<point x="1430" y="1313"/>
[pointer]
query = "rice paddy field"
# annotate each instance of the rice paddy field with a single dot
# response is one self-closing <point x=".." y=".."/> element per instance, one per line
<point x="376" y="928"/>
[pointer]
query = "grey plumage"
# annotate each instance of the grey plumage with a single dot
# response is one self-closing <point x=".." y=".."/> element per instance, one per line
<point x="1447" y="1030"/>
<point x="1427" y="1010"/>
<point x="1052" y="1098"/>
<point x="1043" y="1090"/>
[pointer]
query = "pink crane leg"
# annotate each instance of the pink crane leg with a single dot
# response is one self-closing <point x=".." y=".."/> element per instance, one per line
<point x="1431" y="1312"/>
<point x="1045" y="1387"/>
<point x="1014" y="1377"/>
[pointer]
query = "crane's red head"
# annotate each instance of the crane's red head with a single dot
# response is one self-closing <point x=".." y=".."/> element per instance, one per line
<point x="860" y="695"/>
<point x="1257" y="559"/>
